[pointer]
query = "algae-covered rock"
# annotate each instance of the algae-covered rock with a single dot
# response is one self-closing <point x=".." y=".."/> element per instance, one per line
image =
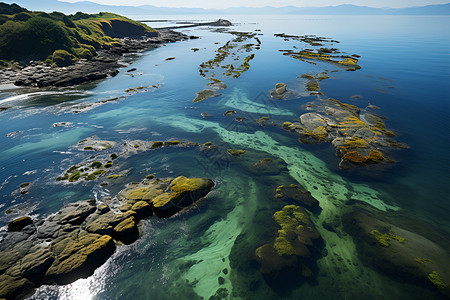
<point x="182" y="193"/>
<point x="35" y="265"/>
<point x="234" y="152"/>
<point x="19" y="224"/>
<point x="126" y="231"/>
<point x="206" y="94"/>
<point x="15" y="287"/>
<point x="142" y="209"/>
<point x="87" y="252"/>
<point x="292" y="245"/>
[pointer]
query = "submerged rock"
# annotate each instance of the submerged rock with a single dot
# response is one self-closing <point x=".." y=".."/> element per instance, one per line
<point x="398" y="251"/>
<point x="295" y="194"/>
<point x="293" y="243"/>
<point x="93" y="143"/>
<point x="268" y="166"/>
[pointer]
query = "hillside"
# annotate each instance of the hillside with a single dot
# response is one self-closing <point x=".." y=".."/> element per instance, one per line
<point x="58" y="38"/>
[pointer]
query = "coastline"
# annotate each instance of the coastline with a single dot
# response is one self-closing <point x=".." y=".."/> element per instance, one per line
<point x="104" y="64"/>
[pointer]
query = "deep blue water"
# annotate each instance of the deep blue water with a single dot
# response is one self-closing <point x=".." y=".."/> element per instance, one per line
<point x="405" y="62"/>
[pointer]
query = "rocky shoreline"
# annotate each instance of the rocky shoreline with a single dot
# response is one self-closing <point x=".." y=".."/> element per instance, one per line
<point x="81" y="237"/>
<point x="104" y="64"/>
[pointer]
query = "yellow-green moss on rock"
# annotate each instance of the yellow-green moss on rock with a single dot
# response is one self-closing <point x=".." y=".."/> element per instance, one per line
<point x="384" y="239"/>
<point x="233" y="152"/>
<point x="436" y="279"/>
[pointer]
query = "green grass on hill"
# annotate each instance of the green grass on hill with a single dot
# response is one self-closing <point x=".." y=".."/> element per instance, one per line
<point x="56" y="37"/>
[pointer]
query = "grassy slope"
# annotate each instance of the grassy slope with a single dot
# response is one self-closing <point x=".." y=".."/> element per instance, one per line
<point x="57" y="37"/>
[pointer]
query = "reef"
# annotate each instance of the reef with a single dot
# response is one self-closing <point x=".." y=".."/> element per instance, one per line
<point x="225" y="63"/>
<point x="324" y="54"/>
<point x="359" y="138"/>
<point x="91" y="169"/>
<point x="81" y="237"/>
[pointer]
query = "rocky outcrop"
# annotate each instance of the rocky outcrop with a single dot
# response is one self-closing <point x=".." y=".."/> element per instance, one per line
<point x="359" y="139"/>
<point x="78" y="239"/>
<point x="281" y="92"/>
<point x="166" y="197"/>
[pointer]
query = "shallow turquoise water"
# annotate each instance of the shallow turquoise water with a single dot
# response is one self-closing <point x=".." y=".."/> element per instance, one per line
<point x="405" y="63"/>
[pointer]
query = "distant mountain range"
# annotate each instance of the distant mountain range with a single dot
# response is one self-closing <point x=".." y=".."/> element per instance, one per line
<point x="345" y="9"/>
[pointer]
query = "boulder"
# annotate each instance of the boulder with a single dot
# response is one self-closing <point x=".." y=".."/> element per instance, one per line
<point x="48" y="229"/>
<point x="105" y="223"/>
<point x="142" y="209"/>
<point x="19" y="224"/>
<point x="126" y="231"/>
<point x="280" y="88"/>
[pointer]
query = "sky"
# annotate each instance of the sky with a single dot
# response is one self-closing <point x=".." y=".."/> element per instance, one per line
<point x="260" y="3"/>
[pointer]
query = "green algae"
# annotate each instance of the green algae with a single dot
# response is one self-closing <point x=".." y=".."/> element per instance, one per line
<point x="74" y="177"/>
<point x="115" y="176"/>
<point x="312" y="86"/>
<point x="384" y="239"/>
<point x="435" y="278"/>
<point x="422" y="260"/>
